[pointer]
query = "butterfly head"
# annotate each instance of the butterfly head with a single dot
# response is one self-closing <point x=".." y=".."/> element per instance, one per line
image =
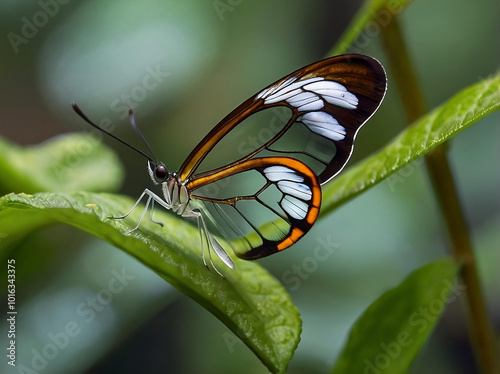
<point x="158" y="172"/>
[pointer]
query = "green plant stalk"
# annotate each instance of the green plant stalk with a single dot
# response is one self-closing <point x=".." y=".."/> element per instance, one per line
<point x="444" y="187"/>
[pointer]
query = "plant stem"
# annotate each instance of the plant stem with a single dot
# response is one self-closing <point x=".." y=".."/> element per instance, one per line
<point x="445" y="190"/>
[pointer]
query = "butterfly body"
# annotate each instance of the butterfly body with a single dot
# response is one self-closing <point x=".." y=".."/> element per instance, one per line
<point x="266" y="199"/>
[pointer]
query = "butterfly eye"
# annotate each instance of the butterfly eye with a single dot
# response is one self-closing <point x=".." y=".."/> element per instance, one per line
<point x="160" y="173"/>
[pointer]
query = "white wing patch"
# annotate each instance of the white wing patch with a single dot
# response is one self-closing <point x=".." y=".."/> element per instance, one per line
<point x="309" y="94"/>
<point x="294" y="207"/>
<point x="281" y="91"/>
<point x="271" y="90"/>
<point x="324" y="124"/>
<point x="298" y="190"/>
<point x="279" y="173"/>
<point x="295" y="193"/>
<point x="334" y="93"/>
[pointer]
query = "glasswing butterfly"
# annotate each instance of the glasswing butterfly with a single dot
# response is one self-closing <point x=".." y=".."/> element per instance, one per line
<point x="266" y="196"/>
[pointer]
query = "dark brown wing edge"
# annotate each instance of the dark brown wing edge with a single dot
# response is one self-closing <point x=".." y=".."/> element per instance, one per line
<point x="365" y="77"/>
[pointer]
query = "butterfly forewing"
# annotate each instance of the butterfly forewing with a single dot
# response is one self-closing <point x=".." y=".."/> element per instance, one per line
<point x="331" y="99"/>
<point x="265" y="195"/>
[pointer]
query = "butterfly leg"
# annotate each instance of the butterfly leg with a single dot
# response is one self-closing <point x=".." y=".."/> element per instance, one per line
<point x="204" y="240"/>
<point x="151" y="214"/>
<point x="152" y="197"/>
<point x="202" y="228"/>
<point x="211" y="241"/>
<point x="221" y="253"/>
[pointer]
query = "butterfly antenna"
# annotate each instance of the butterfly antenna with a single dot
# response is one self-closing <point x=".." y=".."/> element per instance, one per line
<point x="86" y="119"/>
<point x="131" y="115"/>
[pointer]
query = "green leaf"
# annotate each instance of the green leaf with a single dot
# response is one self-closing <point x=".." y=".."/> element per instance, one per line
<point x="376" y="14"/>
<point x="251" y="302"/>
<point x="390" y="333"/>
<point x="65" y="163"/>
<point x="446" y="121"/>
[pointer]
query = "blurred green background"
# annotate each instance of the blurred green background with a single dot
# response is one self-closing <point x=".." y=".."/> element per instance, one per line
<point x="183" y="66"/>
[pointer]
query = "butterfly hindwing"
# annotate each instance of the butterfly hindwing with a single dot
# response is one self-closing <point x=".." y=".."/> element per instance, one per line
<point x="277" y="205"/>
